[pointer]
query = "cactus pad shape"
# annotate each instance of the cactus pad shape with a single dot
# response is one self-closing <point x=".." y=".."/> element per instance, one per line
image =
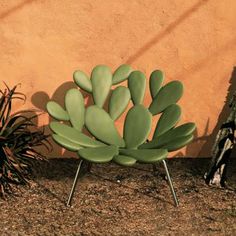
<point x="99" y="154"/>
<point x="169" y="136"/>
<point x="155" y="82"/>
<point x="178" y="143"/>
<point x="101" y="125"/>
<point x="66" y="143"/>
<point x="105" y="143"/>
<point x="168" y="119"/>
<point x="168" y="94"/>
<point x="124" y="160"/>
<point x="74" y="103"/>
<point x="121" y="74"/>
<point x="146" y="156"/>
<point x="138" y="124"/>
<point x="101" y="79"/>
<point x="137" y="86"/>
<point x="119" y="101"/>
<point x="57" y="112"/>
<point x="82" y="80"/>
<point x="74" y="135"/>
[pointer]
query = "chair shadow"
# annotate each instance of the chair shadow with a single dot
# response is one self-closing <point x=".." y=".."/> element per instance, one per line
<point x="61" y="168"/>
<point x="40" y="100"/>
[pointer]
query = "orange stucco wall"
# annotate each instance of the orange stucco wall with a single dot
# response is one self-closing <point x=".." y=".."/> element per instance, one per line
<point x="43" y="41"/>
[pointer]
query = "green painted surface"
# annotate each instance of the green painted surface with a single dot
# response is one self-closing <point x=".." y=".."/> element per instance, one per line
<point x="101" y="79"/>
<point x="146" y="156"/>
<point x="168" y="94"/>
<point x="171" y="135"/>
<point x="82" y="80"/>
<point x="121" y="73"/>
<point x="100" y="124"/>
<point x="74" y="103"/>
<point x="74" y="135"/>
<point x="119" y="101"/>
<point x="178" y="143"/>
<point x="168" y="120"/>
<point x="155" y="82"/>
<point x="56" y="111"/>
<point x="137" y="86"/>
<point x="71" y="146"/>
<point x="98" y="155"/>
<point x="137" y="126"/>
<point x="124" y="160"/>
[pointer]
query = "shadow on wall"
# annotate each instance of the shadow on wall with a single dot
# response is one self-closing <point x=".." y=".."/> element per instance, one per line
<point x="40" y="99"/>
<point x="156" y="39"/>
<point x="210" y="139"/>
<point x="15" y="8"/>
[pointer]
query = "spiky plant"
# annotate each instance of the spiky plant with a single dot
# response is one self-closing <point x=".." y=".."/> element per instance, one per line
<point x="106" y="144"/>
<point x="19" y="137"/>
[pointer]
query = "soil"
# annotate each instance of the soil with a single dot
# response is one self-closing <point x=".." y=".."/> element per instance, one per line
<point x="112" y="200"/>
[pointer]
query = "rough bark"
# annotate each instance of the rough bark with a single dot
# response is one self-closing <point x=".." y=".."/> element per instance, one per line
<point x="222" y="149"/>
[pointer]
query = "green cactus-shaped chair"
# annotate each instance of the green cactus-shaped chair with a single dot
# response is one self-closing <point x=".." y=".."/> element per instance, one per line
<point x="105" y="144"/>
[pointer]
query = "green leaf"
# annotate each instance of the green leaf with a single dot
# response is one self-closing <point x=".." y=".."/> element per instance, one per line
<point x="101" y="79"/>
<point x="137" y="86"/>
<point x="119" y="101"/>
<point x="74" y="135"/>
<point x="124" y="160"/>
<point x="155" y="82"/>
<point x="121" y="74"/>
<point x="74" y="103"/>
<point x="99" y="154"/>
<point x="168" y="94"/>
<point x="100" y="124"/>
<point x="178" y="143"/>
<point x="71" y="146"/>
<point x="168" y="120"/>
<point x="146" y="156"/>
<point x="56" y="111"/>
<point x="82" y="80"/>
<point x="171" y="135"/>
<point x="137" y="126"/>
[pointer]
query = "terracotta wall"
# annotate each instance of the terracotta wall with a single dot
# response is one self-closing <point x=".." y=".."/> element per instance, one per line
<point x="43" y="41"/>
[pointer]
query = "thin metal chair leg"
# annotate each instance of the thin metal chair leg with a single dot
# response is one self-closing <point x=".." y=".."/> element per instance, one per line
<point x="171" y="184"/>
<point x="74" y="184"/>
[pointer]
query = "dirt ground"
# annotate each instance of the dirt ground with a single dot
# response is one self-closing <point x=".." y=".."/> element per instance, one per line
<point x="140" y="204"/>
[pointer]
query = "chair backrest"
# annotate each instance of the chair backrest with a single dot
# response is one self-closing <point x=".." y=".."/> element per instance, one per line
<point x="111" y="100"/>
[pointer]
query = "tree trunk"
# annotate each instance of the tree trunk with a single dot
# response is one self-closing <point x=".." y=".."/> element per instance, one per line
<point x="222" y="149"/>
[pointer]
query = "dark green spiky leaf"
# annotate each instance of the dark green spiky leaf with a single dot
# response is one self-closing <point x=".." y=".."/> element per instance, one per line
<point x="137" y="86"/>
<point x="69" y="145"/>
<point x="155" y="82"/>
<point x="168" y="94"/>
<point x="119" y="101"/>
<point x="121" y="74"/>
<point x="99" y="154"/>
<point x="171" y="135"/>
<point x="146" y="156"/>
<point x="74" y="103"/>
<point x="168" y="120"/>
<point x="137" y="126"/>
<point x="56" y="111"/>
<point x="100" y="124"/>
<point x="74" y="135"/>
<point x="124" y="160"/>
<point x="178" y="143"/>
<point x="82" y="80"/>
<point x="101" y="79"/>
<point x="19" y="137"/>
